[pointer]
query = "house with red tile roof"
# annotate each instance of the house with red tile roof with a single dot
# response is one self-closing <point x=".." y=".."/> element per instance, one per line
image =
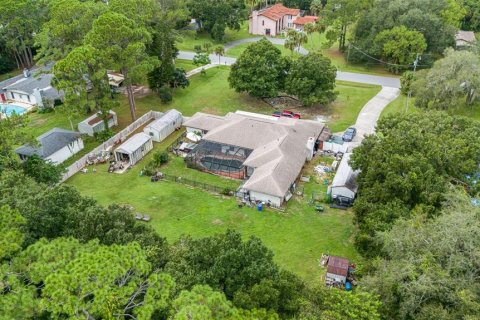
<point x="271" y="21"/>
<point x="300" y="22"/>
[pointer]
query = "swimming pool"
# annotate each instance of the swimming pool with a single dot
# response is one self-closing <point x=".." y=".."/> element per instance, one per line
<point x="9" y="109"/>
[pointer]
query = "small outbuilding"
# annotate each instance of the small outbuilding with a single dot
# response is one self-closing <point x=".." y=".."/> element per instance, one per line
<point x="337" y="270"/>
<point x="162" y="127"/>
<point x="95" y="123"/>
<point x="344" y="188"/>
<point x="464" y="39"/>
<point x="134" y="149"/>
<point x="56" y="145"/>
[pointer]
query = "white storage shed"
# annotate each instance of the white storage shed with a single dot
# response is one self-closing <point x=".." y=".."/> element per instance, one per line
<point x="162" y="127"/>
<point x="94" y="123"/>
<point x="134" y="149"/>
<point x="344" y="183"/>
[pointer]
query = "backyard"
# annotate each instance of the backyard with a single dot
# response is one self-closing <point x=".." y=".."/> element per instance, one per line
<point x="298" y="237"/>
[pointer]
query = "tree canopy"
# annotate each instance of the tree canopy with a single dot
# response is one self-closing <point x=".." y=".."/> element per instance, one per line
<point x="312" y="79"/>
<point x="260" y="70"/>
<point x="452" y="82"/>
<point x="429" y="266"/>
<point x="406" y="169"/>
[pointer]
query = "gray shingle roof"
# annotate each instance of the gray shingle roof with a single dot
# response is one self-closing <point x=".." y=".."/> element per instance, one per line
<point x="39" y="78"/>
<point x="49" y="143"/>
<point x="278" y="144"/>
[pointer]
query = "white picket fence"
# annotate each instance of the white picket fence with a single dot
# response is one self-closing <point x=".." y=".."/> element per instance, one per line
<point x="115" y="140"/>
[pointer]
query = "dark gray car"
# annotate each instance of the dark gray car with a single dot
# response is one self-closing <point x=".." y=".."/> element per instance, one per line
<point x="349" y="134"/>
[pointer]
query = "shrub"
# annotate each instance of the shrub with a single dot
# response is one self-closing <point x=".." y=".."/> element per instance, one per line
<point x="103" y="135"/>
<point x="149" y="169"/>
<point x="165" y="94"/>
<point x="226" y="191"/>
<point x="159" y="158"/>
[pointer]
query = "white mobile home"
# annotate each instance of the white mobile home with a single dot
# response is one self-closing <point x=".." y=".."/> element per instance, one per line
<point x="344" y="183"/>
<point x="56" y="145"/>
<point x="95" y="123"/>
<point x="134" y="149"/>
<point x="162" y="127"/>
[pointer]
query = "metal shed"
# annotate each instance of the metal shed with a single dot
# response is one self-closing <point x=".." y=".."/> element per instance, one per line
<point x="162" y="127"/>
<point x="344" y="183"/>
<point x="134" y="149"/>
<point x="337" y="270"/>
<point x="94" y="123"/>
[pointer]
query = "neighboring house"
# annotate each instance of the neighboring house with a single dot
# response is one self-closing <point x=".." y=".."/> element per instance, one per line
<point x="94" y="123"/>
<point x="115" y="80"/>
<point x="31" y="87"/>
<point x="56" y="145"/>
<point x="464" y="39"/>
<point x="273" y="20"/>
<point x="267" y="152"/>
<point x="162" y="127"/>
<point x="300" y="22"/>
<point x="134" y="149"/>
<point x="337" y="270"/>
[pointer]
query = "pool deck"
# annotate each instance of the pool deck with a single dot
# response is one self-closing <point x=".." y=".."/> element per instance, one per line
<point x="26" y="106"/>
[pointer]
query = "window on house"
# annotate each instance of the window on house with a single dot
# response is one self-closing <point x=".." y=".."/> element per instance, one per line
<point x="263" y="22"/>
<point x="13" y="95"/>
<point x="28" y="97"/>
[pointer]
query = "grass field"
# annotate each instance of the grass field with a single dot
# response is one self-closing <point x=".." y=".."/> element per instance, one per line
<point x="343" y="112"/>
<point x="298" y="237"/>
<point x="236" y="51"/>
<point x="399" y="105"/>
<point x="188" y="39"/>
<point x="186" y="65"/>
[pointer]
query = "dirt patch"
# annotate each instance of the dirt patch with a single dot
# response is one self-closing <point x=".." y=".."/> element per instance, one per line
<point x="217" y="222"/>
<point x="211" y="110"/>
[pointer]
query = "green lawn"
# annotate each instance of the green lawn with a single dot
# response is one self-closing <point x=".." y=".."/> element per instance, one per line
<point x="399" y="105"/>
<point x="343" y="112"/>
<point x="298" y="237"/>
<point x="188" y="39"/>
<point x="186" y="65"/>
<point x="236" y="51"/>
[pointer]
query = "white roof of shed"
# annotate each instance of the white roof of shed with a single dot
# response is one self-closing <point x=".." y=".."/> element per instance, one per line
<point x="165" y="120"/>
<point x="134" y="143"/>
<point x="345" y="176"/>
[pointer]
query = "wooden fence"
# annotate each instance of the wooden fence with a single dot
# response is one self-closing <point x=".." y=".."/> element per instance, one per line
<point x="115" y="140"/>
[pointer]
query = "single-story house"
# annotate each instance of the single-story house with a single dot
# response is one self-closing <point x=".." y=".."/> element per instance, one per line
<point x="267" y="152"/>
<point x="162" y="127"/>
<point x="115" y="80"/>
<point x="31" y="87"/>
<point x="271" y="21"/>
<point x="300" y="22"/>
<point x="134" y="149"/>
<point x="95" y="123"/>
<point x="337" y="270"/>
<point x="464" y="39"/>
<point x="56" y="145"/>
<point x="344" y="188"/>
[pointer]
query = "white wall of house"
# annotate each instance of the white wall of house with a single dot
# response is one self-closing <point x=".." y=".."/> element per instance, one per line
<point x="20" y="96"/>
<point x="277" y="201"/>
<point x="66" y="152"/>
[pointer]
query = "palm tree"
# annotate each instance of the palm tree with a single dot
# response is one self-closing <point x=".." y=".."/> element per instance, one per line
<point x="301" y="39"/>
<point x="290" y="44"/>
<point x="251" y="4"/>
<point x="309" y="28"/>
<point x="220" y="52"/>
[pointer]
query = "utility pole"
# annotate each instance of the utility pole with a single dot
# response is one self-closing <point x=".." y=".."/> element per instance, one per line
<point x="415" y="64"/>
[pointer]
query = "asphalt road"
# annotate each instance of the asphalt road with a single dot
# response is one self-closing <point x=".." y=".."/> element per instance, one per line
<point x="341" y="75"/>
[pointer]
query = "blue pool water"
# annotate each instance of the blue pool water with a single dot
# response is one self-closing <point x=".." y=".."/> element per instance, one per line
<point x="9" y="109"/>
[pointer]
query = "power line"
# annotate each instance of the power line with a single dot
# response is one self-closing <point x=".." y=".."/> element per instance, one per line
<point x="384" y="62"/>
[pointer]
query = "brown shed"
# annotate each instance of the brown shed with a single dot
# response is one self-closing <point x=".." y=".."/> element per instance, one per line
<point x="337" y="270"/>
